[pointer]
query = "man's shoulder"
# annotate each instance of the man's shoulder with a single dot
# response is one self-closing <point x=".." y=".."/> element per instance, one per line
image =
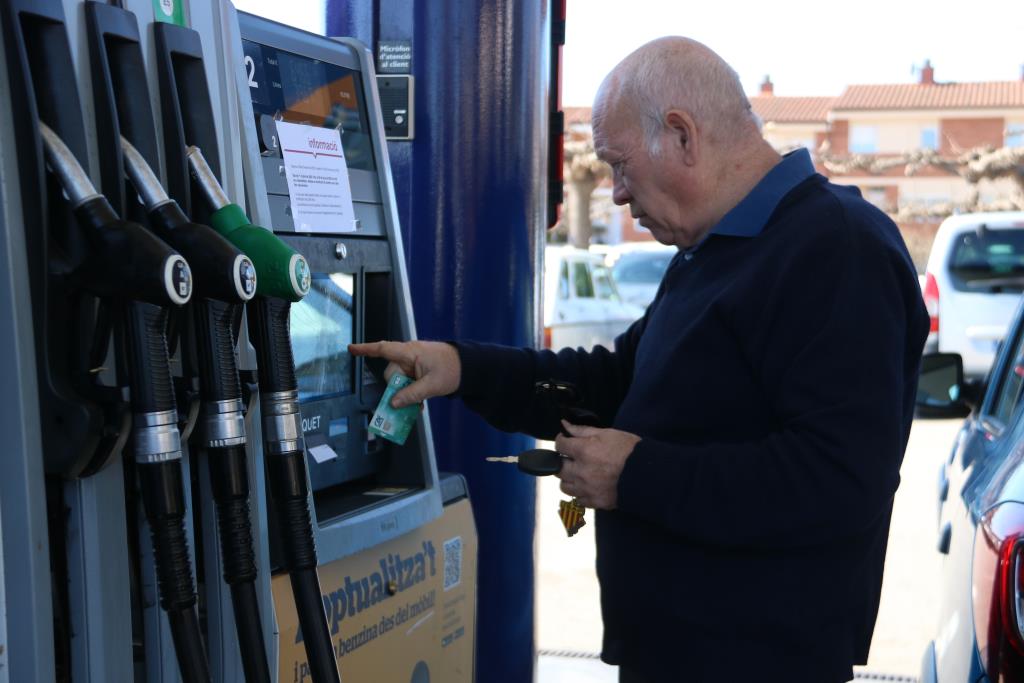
<point x="819" y="209"/>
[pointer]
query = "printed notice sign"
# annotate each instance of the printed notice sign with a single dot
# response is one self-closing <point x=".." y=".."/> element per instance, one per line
<point x="314" y="164"/>
<point x="394" y="57"/>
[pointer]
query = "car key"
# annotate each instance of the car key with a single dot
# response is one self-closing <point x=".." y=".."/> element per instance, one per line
<point x="540" y="462"/>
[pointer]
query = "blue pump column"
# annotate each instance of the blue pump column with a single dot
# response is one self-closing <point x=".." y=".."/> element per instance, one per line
<point x="471" y="192"/>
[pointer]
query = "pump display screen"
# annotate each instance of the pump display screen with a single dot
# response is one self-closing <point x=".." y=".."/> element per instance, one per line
<point x="301" y="89"/>
<point x="321" y="330"/>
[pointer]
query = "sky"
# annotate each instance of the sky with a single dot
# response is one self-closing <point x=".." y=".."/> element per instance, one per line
<point x="308" y="15"/>
<point x="808" y="47"/>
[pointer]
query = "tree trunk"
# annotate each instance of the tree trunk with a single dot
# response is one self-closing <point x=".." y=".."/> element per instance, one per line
<point x="580" y="228"/>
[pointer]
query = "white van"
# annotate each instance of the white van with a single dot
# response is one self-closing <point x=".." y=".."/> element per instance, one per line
<point x="582" y="307"/>
<point x="973" y="281"/>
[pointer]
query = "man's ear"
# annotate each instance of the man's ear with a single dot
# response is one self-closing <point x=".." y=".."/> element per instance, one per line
<point x="684" y="135"/>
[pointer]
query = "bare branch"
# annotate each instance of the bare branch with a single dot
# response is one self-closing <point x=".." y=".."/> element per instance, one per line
<point x="975" y="165"/>
<point x="582" y="164"/>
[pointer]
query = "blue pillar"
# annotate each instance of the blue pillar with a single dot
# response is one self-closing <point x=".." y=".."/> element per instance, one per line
<point x="471" y="192"/>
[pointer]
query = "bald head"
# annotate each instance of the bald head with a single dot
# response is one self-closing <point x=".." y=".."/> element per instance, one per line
<point x="673" y="123"/>
<point x="677" y="73"/>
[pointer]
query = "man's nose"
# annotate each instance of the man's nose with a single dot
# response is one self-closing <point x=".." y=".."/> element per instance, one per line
<point x="620" y="195"/>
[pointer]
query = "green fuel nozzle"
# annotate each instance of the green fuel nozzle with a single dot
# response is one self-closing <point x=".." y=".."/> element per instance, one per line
<point x="281" y="271"/>
<point x="283" y="277"/>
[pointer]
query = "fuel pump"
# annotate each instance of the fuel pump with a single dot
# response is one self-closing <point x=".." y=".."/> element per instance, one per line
<point x="134" y="264"/>
<point x="286" y="277"/>
<point x="140" y="330"/>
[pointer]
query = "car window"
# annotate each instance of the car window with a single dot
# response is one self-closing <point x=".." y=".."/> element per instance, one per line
<point x="1008" y="394"/>
<point x="988" y="260"/>
<point x="563" y="281"/>
<point x="604" y="287"/>
<point x="647" y="269"/>
<point x="583" y="284"/>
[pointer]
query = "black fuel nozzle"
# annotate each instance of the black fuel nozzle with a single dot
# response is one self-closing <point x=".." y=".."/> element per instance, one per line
<point x="226" y="279"/>
<point x="126" y="260"/>
<point x="133" y="265"/>
<point x="220" y="268"/>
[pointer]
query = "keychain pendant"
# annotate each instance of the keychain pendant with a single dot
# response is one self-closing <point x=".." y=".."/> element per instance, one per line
<point x="571" y="514"/>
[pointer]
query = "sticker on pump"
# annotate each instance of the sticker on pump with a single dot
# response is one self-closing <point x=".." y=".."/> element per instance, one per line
<point x="318" y="186"/>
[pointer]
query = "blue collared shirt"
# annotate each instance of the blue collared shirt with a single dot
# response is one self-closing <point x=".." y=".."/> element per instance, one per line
<point x="748" y="218"/>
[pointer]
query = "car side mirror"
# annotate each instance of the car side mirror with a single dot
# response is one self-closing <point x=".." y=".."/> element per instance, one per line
<point x="941" y="386"/>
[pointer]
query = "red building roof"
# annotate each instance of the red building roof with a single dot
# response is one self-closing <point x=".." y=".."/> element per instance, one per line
<point x="792" y="109"/>
<point x="997" y="94"/>
<point x="932" y="96"/>
<point x="576" y="115"/>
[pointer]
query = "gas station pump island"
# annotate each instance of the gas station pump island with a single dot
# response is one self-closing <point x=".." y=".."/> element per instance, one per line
<point x="198" y="216"/>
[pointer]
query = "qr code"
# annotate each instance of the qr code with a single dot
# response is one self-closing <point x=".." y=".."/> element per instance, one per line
<point x="452" y="562"/>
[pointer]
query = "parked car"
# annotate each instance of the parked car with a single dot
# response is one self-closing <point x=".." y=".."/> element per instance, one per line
<point x="582" y="307"/>
<point x="639" y="270"/>
<point x="974" y="276"/>
<point x="980" y="632"/>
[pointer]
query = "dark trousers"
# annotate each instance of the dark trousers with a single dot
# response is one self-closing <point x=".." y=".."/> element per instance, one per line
<point x="629" y="676"/>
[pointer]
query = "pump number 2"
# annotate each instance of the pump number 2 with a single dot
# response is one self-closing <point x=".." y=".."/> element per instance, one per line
<point x="250" y="70"/>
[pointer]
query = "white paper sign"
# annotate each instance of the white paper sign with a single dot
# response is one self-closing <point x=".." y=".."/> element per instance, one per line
<point x="314" y="164"/>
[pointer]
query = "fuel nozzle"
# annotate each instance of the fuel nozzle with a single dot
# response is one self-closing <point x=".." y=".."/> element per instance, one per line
<point x="283" y="277"/>
<point x="125" y="259"/>
<point x="221" y="270"/>
<point x="283" y="272"/>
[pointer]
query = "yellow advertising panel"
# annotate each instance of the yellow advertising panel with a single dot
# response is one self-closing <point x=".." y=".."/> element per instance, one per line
<point x="401" y="612"/>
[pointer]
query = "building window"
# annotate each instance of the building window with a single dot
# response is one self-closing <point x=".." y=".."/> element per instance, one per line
<point x="930" y="137"/>
<point x="1015" y="135"/>
<point x="864" y="139"/>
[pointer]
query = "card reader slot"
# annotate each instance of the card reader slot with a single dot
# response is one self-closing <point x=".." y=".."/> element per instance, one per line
<point x="378" y="305"/>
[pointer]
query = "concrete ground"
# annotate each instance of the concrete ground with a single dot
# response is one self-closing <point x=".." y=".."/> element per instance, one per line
<point x="569" y="620"/>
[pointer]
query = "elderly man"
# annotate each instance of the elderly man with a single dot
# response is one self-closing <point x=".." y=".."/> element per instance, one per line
<point x="758" y="412"/>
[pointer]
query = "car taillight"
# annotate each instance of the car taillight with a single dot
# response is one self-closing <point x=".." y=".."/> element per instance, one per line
<point x="998" y="592"/>
<point x="547" y="337"/>
<point x="931" y="301"/>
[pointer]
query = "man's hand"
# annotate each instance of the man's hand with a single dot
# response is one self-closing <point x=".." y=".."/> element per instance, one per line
<point x="597" y="457"/>
<point x="434" y="365"/>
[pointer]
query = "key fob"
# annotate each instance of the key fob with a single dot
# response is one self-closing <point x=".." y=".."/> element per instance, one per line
<point x="540" y="462"/>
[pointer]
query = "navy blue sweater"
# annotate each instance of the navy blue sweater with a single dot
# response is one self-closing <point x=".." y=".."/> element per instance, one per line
<point x="772" y="383"/>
